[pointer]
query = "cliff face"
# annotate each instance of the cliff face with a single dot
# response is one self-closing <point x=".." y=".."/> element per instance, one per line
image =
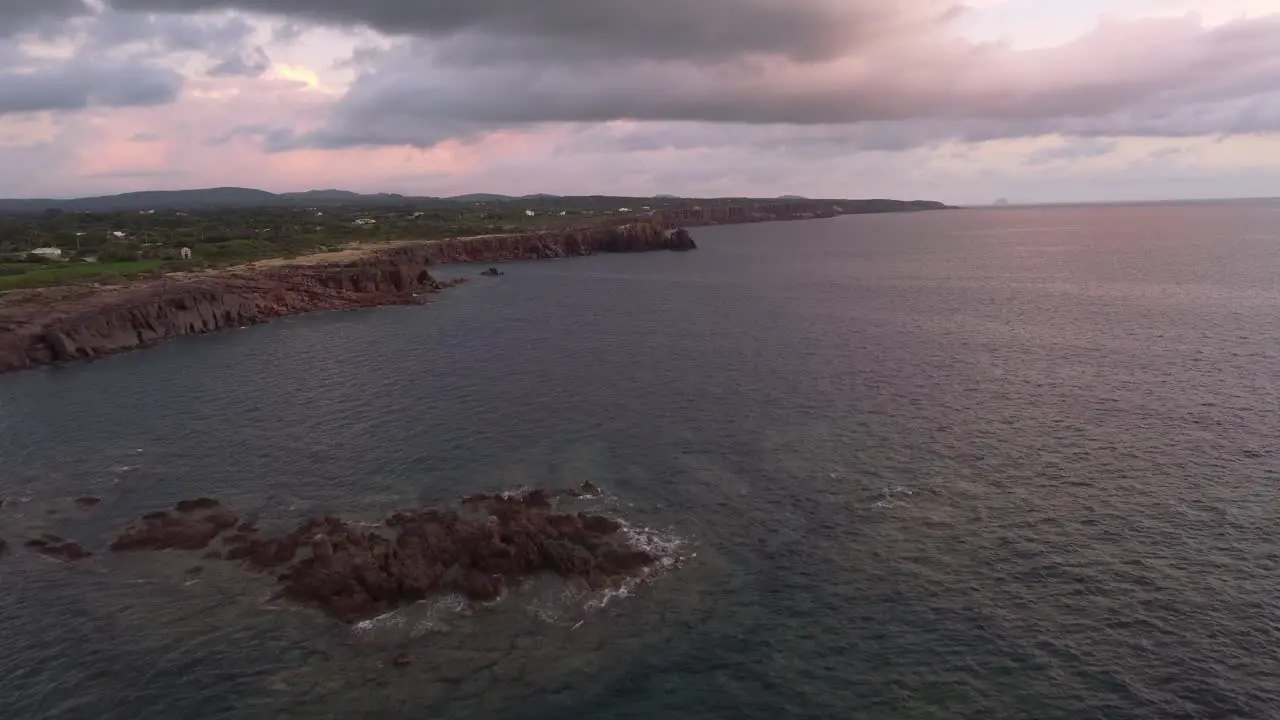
<point x="59" y="326"/>
<point x="639" y="237"/>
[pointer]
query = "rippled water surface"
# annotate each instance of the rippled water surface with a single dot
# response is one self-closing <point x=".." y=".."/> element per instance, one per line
<point x="1016" y="463"/>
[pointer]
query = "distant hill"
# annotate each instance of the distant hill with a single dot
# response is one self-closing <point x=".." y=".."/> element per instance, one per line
<point x="792" y="197"/>
<point x="331" y="196"/>
<point x="150" y="200"/>
<point x="480" y="197"/>
<point x="210" y="199"/>
<point x="225" y="198"/>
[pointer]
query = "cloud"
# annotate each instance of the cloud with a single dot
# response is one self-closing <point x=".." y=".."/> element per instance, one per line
<point x="896" y="74"/>
<point x="144" y="137"/>
<point x="77" y="85"/>
<point x="251" y="63"/>
<point x="1073" y="149"/>
<point x="693" y="94"/>
<point x="19" y="15"/>
<point x="655" y="29"/>
<point x="288" y="33"/>
<point x="169" y="33"/>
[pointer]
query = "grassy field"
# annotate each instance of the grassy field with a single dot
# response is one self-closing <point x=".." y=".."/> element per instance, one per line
<point x="14" y="276"/>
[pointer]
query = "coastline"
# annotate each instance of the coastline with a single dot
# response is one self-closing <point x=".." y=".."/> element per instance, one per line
<point x="57" y="325"/>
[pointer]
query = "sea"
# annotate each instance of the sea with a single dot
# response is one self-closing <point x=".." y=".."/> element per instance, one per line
<point x="1013" y="462"/>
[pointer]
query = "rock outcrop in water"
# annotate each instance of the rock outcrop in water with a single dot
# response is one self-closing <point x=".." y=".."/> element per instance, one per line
<point x="196" y="525"/>
<point x="58" y="548"/>
<point x="65" y="324"/>
<point x="355" y="573"/>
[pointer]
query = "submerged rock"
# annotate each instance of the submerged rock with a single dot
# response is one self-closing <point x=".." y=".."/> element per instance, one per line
<point x="56" y="547"/>
<point x="187" y="506"/>
<point x="189" y="531"/>
<point x="403" y="659"/>
<point x="85" y="503"/>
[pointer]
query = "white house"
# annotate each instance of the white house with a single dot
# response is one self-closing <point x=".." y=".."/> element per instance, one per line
<point x="624" y="209"/>
<point x="530" y="213"/>
<point x="49" y="253"/>
<point x="119" y="234"/>
<point x="185" y="253"/>
<point x="366" y="221"/>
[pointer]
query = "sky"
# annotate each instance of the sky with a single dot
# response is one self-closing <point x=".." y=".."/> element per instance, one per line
<point x="964" y="101"/>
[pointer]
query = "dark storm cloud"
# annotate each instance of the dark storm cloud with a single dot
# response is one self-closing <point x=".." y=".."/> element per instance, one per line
<point x="78" y="85"/>
<point x="174" y="33"/>
<point x="801" y="29"/>
<point x="1159" y="77"/>
<point x="18" y="15"/>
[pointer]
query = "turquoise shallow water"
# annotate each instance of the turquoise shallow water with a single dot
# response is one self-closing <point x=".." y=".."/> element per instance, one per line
<point x="1013" y="463"/>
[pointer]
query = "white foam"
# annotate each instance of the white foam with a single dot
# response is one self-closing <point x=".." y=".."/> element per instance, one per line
<point x="665" y="546"/>
<point x="889" y="493"/>
<point x="393" y="619"/>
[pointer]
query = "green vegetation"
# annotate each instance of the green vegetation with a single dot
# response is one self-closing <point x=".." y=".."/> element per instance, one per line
<point x="101" y="245"/>
<point x="15" y="276"/>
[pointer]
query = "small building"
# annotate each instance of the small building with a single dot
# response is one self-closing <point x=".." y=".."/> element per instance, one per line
<point x="119" y="234"/>
<point x="48" y="253"/>
<point x="185" y="253"/>
<point x="530" y="213"/>
<point x="366" y="221"/>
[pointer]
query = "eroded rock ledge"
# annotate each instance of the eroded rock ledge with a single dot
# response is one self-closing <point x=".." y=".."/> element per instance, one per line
<point x="355" y="573"/>
<point x="65" y="324"/>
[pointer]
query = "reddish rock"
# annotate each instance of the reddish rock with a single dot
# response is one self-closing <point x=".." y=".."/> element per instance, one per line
<point x="85" y="503"/>
<point x="403" y="659"/>
<point x="55" y="547"/>
<point x="221" y="520"/>
<point x="354" y="574"/>
<point x="247" y="527"/>
<point x="62" y="324"/>
<point x="157" y="515"/>
<point x="189" y="531"/>
<point x="187" y="506"/>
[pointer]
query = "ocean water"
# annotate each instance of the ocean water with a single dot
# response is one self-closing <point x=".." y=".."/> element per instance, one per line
<point x="1006" y="463"/>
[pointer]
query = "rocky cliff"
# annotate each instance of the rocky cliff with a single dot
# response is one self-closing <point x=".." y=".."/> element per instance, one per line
<point x="66" y="324"/>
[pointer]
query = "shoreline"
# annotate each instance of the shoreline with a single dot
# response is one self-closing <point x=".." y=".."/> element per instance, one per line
<point x="63" y="324"/>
